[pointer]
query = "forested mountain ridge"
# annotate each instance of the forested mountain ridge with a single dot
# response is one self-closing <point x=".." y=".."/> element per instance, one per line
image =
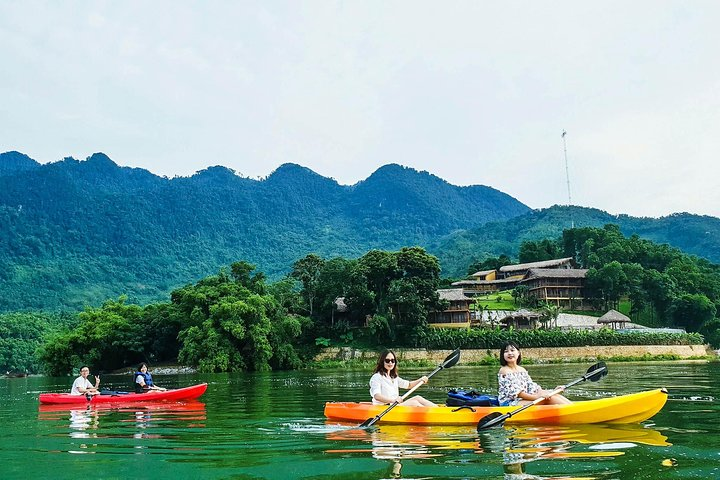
<point x="695" y="234"/>
<point x="75" y="233"/>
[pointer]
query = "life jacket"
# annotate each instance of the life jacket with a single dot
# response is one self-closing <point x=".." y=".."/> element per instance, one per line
<point x="459" y="398"/>
<point x="148" y="382"/>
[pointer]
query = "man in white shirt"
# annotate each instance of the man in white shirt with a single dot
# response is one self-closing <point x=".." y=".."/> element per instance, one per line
<point x="82" y="386"/>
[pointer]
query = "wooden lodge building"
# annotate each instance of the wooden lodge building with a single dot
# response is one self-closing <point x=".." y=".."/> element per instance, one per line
<point x="553" y="281"/>
<point x="561" y="287"/>
<point x="457" y="315"/>
<point x="508" y="276"/>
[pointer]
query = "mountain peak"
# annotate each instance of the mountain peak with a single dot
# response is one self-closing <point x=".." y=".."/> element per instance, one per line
<point x="101" y="161"/>
<point x="11" y="162"/>
<point x="291" y="170"/>
<point x="292" y="173"/>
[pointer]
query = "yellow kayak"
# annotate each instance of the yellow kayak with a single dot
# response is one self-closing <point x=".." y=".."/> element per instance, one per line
<point x="632" y="408"/>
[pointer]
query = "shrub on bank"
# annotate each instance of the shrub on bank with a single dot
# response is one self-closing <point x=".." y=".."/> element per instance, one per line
<point x="438" y="338"/>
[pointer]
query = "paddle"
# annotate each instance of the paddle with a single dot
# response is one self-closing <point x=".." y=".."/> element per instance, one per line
<point x="594" y="373"/>
<point x="449" y="361"/>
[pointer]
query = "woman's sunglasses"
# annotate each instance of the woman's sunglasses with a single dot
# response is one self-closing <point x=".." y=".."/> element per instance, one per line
<point x="389" y="360"/>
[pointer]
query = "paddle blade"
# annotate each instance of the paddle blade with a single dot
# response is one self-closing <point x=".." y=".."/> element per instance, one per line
<point x="368" y="423"/>
<point x="493" y="419"/>
<point x="597" y="371"/>
<point x="452" y="359"/>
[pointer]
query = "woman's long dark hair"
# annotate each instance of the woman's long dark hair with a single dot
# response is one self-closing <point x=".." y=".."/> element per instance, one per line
<point x="505" y="347"/>
<point x="380" y="367"/>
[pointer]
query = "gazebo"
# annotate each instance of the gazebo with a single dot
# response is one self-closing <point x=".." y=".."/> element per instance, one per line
<point x="522" y="319"/>
<point x="614" y="318"/>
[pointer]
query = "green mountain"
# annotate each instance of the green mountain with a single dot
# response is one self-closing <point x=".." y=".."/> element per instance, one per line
<point x="694" y="234"/>
<point x="75" y="233"/>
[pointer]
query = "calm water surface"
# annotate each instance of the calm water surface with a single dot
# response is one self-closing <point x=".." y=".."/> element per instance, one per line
<point x="250" y="426"/>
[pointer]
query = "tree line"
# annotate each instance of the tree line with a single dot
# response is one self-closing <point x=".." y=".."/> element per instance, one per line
<point x="238" y="320"/>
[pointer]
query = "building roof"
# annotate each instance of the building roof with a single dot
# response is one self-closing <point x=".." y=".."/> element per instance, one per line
<point x="482" y="273"/>
<point x="613" y="316"/>
<point x="484" y="282"/>
<point x="453" y="294"/>
<point x="544" y="264"/>
<point x="522" y="313"/>
<point x="556" y="273"/>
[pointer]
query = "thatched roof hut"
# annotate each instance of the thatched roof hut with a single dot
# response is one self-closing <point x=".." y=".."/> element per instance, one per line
<point x="614" y="318"/>
<point x="522" y="319"/>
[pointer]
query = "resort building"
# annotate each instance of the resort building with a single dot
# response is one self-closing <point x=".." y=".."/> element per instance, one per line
<point x="561" y="287"/>
<point x="520" y="270"/>
<point x="521" y="320"/>
<point x="457" y="315"/>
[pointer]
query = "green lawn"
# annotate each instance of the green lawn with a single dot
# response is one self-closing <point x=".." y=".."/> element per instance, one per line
<point x="496" y="301"/>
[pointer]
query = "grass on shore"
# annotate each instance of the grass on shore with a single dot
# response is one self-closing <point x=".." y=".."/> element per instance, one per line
<point x="493" y="361"/>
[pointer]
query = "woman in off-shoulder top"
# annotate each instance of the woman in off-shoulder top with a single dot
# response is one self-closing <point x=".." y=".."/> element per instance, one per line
<point x="515" y="386"/>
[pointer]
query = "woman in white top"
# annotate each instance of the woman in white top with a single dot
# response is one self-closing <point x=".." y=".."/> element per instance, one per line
<point x="385" y="382"/>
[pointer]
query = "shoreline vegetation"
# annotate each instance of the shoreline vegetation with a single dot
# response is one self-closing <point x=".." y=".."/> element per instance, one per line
<point x="237" y="320"/>
<point x="336" y="357"/>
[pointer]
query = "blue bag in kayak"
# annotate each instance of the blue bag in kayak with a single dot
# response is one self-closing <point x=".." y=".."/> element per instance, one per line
<point x="471" y="398"/>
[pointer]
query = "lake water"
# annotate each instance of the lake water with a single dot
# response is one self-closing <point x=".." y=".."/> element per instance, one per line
<point x="271" y="426"/>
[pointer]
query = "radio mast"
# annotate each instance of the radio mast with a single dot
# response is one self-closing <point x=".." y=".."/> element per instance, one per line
<point x="567" y="176"/>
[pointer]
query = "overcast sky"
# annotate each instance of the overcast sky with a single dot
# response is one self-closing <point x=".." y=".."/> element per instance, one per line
<point x="473" y="92"/>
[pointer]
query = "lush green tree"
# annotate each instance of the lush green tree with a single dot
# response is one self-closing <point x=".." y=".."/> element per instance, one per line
<point x="307" y="270"/>
<point x="379" y="269"/>
<point x="106" y="338"/>
<point x="549" y="314"/>
<point x="22" y="333"/>
<point x="540" y="250"/>
<point x="692" y="311"/>
<point x="492" y="263"/>
<point x="660" y="290"/>
<point x="520" y="295"/>
<point x="243" y="329"/>
<point x="608" y="282"/>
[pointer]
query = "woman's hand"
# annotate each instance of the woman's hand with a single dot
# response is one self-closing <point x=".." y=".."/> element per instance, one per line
<point x="424" y="379"/>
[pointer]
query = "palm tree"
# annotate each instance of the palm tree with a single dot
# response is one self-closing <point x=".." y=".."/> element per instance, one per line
<point x="550" y="313"/>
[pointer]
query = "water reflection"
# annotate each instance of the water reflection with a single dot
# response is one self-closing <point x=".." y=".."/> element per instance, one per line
<point x="513" y="447"/>
<point x="134" y="421"/>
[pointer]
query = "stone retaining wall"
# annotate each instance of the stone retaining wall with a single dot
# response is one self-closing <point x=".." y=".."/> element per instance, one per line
<point x="538" y="354"/>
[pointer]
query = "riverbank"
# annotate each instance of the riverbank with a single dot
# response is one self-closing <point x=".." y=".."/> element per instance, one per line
<point x="533" y="355"/>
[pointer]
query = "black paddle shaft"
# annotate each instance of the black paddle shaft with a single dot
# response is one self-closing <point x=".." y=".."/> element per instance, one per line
<point x="449" y="361"/>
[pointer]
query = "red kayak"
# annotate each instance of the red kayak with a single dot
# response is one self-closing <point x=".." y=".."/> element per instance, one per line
<point x="186" y="393"/>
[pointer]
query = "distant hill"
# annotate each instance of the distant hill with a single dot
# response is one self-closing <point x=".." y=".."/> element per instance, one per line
<point x="694" y="234"/>
<point x="75" y="233"/>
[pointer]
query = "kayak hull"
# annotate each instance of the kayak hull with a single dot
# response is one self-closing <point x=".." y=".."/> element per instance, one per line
<point x="187" y="393"/>
<point x="632" y="408"/>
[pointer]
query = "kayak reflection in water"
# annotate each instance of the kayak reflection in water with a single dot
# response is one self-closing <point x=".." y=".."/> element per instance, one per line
<point x="144" y="382"/>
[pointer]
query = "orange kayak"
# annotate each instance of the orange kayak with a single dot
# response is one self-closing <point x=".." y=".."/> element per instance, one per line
<point x="186" y="393"/>
<point x="632" y="408"/>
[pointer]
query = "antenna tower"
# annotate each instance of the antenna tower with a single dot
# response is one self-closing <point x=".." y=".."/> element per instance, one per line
<point x="567" y="175"/>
